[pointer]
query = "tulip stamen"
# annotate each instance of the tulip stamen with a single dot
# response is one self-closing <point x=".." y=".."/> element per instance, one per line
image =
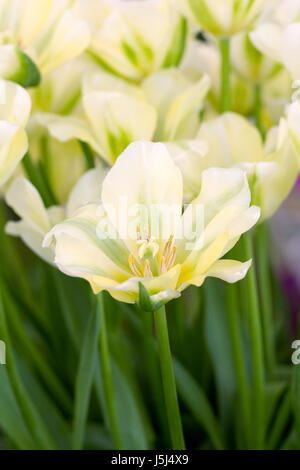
<point x="132" y="265"/>
<point x="138" y="233"/>
<point x="162" y="266"/>
<point x="147" y="256"/>
<point x="168" y="256"/>
<point x="171" y="259"/>
<point x="147" y="269"/>
<point x="168" y="246"/>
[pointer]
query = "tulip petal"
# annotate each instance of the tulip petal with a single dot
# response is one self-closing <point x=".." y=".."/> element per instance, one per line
<point x="158" y="288"/>
<point x="144" y="188"/>
<point x="267" y="38"/>
<point x="26" y="202"/>
<point x="231" y="139"/>
<point x="178" y="101"/>
<point x="88" y="189"/>
<point x="15" y="103"/>
<point x="35" y="221"/>
<point x="65" y="128"/>
<point x="85" y="246"/>
<point x="13" y="146"/>
<point x="69" y="38"/>
<point x="118" y="120"/>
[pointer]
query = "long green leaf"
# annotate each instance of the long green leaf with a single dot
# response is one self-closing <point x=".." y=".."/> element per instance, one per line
<point x="296" y="399"/>
<point x="35" y="424"/>
<point x="217" y="339"/>
<point x="84" y="378"/>
<point x="195" y="400"/>
<point x="11" y="420"/>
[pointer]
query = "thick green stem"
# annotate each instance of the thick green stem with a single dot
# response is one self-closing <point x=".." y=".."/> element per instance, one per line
<point x="225" y="79"/>
<point x="256" y="347"/>
<point x="107" y="376"/>
<point x="238" y="358"/>
<point x="167" y="373"/>
<point x="154" y="382"/>
<point x="264" y="275"/>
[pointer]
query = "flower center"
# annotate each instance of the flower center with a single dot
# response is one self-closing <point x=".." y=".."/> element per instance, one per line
<point x="147" y="258"/>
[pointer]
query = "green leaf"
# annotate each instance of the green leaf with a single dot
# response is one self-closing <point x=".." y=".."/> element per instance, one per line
<point x="11" y="420"/>
<point x="84" y="378"/>
<point x="47" y="409"/>
<point x="217" y="339"/>
<point x="273" y="393"/>
<point x="134" y="429"/>
<point x="196" y="401"/>
<point x="25" y="344"/>
<point x="296" y="399"/>
<point x="97" y="438"/>
<point x="145" y="302"/>
<point x="35" y="424"/>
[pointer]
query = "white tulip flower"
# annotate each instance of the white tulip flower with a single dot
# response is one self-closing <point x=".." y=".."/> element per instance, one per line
<point x="139" y="234"/>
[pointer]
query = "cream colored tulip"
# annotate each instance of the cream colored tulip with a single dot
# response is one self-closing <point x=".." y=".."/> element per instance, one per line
<point x="278" y="34"/>
<point x="139" y="234"/>
<point x="166" y="107"/>
<point x="176" y="99"/>
<point x="178" y="102"/>
<point x="48" y="31"/>
<point x="138" y="38"/>
<point x="36" y="220"/>
<point x="15" y="105"/>
<point x="224" y="18"/>
<point x="114" y="115"/>
<point x="233" y="141"/>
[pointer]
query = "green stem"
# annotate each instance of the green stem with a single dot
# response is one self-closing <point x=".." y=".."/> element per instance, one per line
<point x="107" y="376"/>
<point x="89" y="157"/>
<point x="167" y="373"/>
<point x="264" y="275"/>
<point x="238" y="357"/>
<point x="225" y="78"/>
<point x="154" y="383"/>
<point x="36" y="179"/>
<point x="178" y="324"/>
<point x="256" y="347"/>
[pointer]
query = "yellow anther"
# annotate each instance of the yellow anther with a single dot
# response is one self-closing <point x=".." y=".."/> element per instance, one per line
<point x="132" y="265"/>
<point x="172" y="257"/>
<point x="162" y="265"/>
<point x="148" y="250"/>
<point x="168" y="246"/>
<point x="147" y="269"/>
